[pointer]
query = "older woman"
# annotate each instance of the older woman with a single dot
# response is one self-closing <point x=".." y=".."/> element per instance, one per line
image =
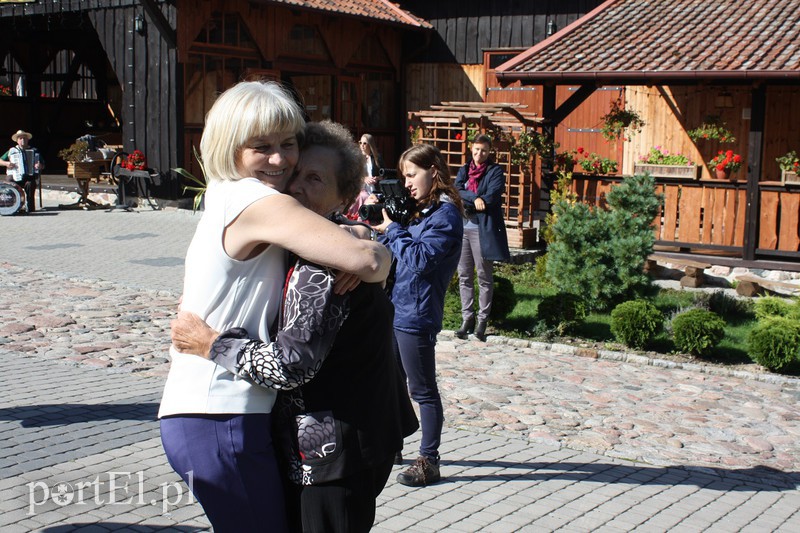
<point x="338" y="432"/>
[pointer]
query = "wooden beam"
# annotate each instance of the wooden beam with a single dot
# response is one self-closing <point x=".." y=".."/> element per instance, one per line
<point x="755" y="147"/>
<point x="161" y="23"/>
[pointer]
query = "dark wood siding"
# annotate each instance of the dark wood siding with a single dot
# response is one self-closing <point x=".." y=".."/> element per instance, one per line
<point x="465" y="29"/>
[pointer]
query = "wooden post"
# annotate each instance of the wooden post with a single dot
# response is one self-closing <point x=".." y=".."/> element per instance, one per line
<point x="755" y="146"/>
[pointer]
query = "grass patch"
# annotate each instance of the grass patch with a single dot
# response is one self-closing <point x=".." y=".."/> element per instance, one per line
<point x="529" y="290"/>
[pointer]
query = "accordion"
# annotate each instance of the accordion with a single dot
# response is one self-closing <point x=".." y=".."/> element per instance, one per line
<point x="24" y="163"/>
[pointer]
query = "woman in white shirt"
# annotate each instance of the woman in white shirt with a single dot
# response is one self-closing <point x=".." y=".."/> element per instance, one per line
<point x="215" y="426"/>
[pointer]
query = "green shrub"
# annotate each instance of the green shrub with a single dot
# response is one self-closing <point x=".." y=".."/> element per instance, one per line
<point x="697" y="331"/>
<point x="724" y="305"/>
<point x="561" y="311"/>
<point x="599" y="254"/>
<point x="636" y="323"/>
<point x="503" y="300"/>
<point x="772" y="306"/>
<point x="775" y="343"/>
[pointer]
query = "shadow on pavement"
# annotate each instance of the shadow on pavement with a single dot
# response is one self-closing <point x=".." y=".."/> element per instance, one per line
<point x="69" y="413"/>
<point x="754" y="479"/>
<point x="118" y="526"/>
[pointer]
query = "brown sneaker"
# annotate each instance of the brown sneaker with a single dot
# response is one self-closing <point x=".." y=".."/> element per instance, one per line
<point x="423" y="471"/>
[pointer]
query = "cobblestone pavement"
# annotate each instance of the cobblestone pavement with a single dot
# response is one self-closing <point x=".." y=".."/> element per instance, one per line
<point x="539" y="437"/>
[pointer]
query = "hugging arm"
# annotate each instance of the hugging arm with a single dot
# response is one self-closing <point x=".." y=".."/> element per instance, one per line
<point x="311" y="317"/>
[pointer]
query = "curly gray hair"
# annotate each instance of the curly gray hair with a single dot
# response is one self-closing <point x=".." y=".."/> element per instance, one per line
<point x="350" y="173"/>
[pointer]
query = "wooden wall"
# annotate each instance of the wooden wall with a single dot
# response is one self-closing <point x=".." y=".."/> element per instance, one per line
<point x="670" y="111"/>
<point x="146" y="67"/>
<point x="143" y="93"/>
<point x="464" y="29"/>
<point x="433" y="83"/>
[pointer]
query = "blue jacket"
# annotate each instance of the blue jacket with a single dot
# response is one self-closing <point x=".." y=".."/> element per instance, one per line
<point x="427" y="254"/>
<point x="491" y="222"/>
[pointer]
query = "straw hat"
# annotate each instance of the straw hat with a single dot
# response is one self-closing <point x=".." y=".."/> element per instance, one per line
<point x="21" y="133"/>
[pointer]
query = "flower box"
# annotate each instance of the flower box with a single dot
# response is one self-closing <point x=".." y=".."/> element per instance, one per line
<point x="86" y="169"/>
<point x="789" y="177"/>
<point x="686" y="172"/>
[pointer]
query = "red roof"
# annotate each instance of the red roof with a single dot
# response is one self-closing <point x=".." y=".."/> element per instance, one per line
<point x="382" y="10"/>
<point x="627" y="40"/>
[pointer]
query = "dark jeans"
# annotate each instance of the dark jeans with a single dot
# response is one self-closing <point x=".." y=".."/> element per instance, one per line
<point x="418" y="361"/>
<point x="229" y="463"/>
<point x="28" y="184"/>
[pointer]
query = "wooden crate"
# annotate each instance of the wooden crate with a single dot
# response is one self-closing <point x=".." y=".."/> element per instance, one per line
<point x="87" y="169"/>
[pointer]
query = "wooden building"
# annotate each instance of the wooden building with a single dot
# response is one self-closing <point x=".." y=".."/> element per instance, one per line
<point x="677" y="63"/>
<point x="143" y="73"/>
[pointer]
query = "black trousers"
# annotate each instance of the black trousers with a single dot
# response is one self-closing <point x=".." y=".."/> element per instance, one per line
<point x="28" y="184"/>
<point x="342" y="506"/>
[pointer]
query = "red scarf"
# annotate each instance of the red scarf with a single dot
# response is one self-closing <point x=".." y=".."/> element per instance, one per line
<point x="475" y="173"/>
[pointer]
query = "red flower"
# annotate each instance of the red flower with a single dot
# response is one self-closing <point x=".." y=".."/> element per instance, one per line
<point x="729" y="154"/>
<point x="458" y="136"/>
<point x="737" y="158"/>
<point x="580" y="150"/>
<point x="721" y="167"/>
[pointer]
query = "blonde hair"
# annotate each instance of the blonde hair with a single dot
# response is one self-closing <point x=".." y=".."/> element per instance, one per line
<point x="248" y="109"/>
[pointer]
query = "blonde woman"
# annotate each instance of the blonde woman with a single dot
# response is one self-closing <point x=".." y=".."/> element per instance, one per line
<point x="215" y="426"/>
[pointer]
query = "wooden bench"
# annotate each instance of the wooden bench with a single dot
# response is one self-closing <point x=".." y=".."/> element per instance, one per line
<point x="693" y="272"/>
<point x="751" y="285"/>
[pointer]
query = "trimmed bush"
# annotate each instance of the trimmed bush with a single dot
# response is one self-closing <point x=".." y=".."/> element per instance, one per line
<point x="775" y="343"/>
<point x="636" y="323"/>
<point x="772" y="306"/>
<point x="724" y="305"/>
<point x="561" y="311"/>
<point x="697" y="331"/>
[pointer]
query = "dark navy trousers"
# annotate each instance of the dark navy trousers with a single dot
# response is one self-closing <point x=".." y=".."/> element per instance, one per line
<point x="229" y="463"/>
<point x="417" y="352"/>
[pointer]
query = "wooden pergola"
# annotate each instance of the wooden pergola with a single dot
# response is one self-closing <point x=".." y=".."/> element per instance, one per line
<point x="451" y="125"/>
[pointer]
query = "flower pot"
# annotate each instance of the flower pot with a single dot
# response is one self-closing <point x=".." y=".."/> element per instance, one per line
<point x="789" y="177"/>
<point x="689" y="172"/>
<point x="724" y="174"/>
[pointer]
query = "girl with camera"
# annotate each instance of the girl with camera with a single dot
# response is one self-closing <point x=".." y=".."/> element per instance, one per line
<point x="426" y="251"/>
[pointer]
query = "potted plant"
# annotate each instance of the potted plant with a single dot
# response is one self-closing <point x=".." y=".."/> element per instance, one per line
<point x="618" y="119"/>
<point x="712" y="128"/>
<point x="725" y="163"/>
<point x="75" y="155"/>
<point x="527" y="144"/>
<point x="660" y="163"/>
<point x="594" y="164"/>
<point x="566" y="160"/>
<point x="790" y="167"/>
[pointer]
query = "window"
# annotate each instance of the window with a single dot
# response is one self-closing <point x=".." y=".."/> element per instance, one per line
<point x="57" y="73"/>
<point x="222" y="55"/>
<point x="305" y="41"/>
<point x="12" y="79"/>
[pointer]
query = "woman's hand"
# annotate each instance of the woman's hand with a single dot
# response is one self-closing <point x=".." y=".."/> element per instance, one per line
<point x="345" y="282"/>
<point x="480" y="205"/>
<point x="190" y="334"/>
<point x="371" y="180"/>
<point x="381" y="228"/>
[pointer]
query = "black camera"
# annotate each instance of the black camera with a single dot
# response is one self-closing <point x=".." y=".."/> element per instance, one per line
<point x="393" y="197"/>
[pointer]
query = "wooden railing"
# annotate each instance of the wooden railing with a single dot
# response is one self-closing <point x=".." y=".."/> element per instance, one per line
<point x="712" y="215"/>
